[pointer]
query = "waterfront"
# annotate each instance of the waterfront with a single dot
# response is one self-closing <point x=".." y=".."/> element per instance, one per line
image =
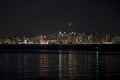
<point x="34" y="63"/>
<point x="81" y="65"/>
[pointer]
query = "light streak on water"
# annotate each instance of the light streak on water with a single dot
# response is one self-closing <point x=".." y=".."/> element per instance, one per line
<point x="97" y="63"/>
<point x="60" y="65"/>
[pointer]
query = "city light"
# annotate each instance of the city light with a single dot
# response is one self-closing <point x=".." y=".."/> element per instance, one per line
<point x="64" y="38"/>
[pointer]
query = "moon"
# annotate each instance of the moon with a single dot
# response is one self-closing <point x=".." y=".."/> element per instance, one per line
<point x="69" y="23"/>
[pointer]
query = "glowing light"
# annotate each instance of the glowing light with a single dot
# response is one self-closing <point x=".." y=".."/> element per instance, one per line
<point x="69" y="24"/>
<point x="60" y="32"/>
<point x="60" y="65"/>
<point x="97" y="63"/>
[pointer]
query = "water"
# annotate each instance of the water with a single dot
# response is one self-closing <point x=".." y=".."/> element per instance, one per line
<point x="37" y="64"/>
<point x="81" y="65"/>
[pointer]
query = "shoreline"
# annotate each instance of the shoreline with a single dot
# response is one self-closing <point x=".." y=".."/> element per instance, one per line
<point x="77" y="47"/>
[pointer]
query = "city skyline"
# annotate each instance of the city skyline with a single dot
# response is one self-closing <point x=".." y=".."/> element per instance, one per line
<point x="29" y="18"/>
<point x="63" y="38"/>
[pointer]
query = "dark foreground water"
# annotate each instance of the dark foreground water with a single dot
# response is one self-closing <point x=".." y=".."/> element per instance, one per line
<point x="37" y="64"/>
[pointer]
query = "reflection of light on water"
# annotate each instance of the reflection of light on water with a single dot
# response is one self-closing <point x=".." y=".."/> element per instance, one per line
<point x="75" y="65"/>
<point x="60" y="65"/>
<point x="6" y="65"/>
<point x="97" y="64"/>
<point x="43" y="64"/>
<point x="71" y="65"/>
<point x="25" y="65"/>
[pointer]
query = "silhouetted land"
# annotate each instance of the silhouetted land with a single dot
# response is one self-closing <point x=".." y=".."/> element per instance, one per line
<point x="76" y="47"/>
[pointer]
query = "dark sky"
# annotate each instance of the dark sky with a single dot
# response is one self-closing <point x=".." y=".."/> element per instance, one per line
<point x="47" y="16"/>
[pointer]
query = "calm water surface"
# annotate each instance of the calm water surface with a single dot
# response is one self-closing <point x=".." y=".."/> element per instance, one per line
<point x="59" y="65"/>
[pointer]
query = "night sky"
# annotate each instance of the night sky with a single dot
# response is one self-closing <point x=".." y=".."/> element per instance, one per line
<point x="28" y="18"/>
